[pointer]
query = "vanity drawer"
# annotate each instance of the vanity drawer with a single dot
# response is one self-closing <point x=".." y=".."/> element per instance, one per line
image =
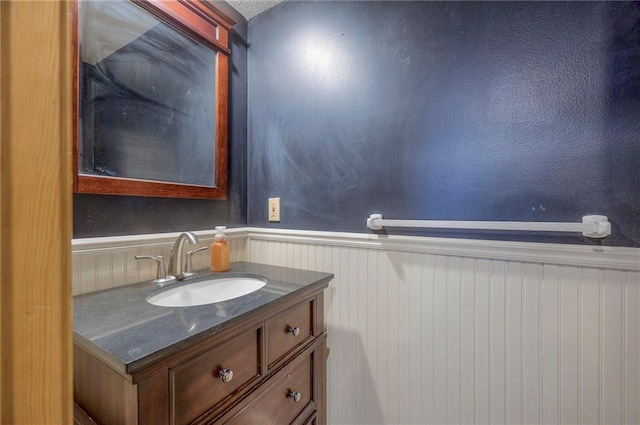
<point x="278" y="405"/>
<point x="288" y="330"/>
<point x="197" y="385"/>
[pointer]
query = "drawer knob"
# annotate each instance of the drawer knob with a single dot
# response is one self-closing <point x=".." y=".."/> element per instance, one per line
<point x="226" y="375"/>
<point x="295" y="396"/>
<point x="294" y="330"/>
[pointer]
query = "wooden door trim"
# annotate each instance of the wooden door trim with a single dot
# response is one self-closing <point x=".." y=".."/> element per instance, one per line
<point x="35" y="213"/>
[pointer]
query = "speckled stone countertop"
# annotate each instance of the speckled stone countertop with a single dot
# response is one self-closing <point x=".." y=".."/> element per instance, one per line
<point x="119" y="326"/>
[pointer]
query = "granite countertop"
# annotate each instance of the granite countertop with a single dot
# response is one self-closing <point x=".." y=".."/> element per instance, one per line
<point x="119" y="326"/>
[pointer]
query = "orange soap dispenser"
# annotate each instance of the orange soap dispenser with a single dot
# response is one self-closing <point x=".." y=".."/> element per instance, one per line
<point x="220" y="252"/>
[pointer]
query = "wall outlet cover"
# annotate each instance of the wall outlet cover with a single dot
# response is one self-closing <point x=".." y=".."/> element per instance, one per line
<point x="274" y="209"/>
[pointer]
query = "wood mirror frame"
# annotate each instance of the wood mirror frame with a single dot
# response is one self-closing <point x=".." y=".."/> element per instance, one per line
<point x="205" y="23"/>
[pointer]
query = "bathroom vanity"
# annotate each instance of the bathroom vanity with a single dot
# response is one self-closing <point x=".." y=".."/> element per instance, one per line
<point x="256" y="359"/>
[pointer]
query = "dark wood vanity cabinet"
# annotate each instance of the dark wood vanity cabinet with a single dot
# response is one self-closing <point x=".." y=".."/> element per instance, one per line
<point x="268" y="368"/>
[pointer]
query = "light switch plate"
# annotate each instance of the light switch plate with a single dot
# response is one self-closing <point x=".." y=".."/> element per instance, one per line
<point x="274" y="209"/>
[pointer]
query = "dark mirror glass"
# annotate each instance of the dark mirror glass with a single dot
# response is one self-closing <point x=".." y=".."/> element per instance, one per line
<point x="146" y="98"/>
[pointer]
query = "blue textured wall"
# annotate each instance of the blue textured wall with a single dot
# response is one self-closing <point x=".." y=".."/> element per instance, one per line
<point x="446" y="110"/>
<point x="104" y="215"/>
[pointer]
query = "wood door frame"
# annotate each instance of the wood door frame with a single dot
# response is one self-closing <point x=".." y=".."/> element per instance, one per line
<point x="35" y="213"/>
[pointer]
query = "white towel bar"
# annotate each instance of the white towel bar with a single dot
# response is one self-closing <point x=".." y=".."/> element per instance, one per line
<point x="592" y="226"/>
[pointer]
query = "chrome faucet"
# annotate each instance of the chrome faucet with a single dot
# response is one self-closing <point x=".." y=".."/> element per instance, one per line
<point x="175" y="260"/>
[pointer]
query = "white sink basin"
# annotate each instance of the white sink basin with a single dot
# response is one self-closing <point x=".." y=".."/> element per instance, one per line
<point x="206" y="291"/>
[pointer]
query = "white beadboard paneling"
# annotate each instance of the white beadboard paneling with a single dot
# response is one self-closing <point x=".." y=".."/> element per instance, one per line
<point x="75" y="277"/>
<point x="631" y="348"/>
<point x="107" y="267"/>
<point x="85" y="245"/>
<point x="514" y="343"/>
<point x="371" y="337"/>
<point x="531" y="347"/>
<point x="570" y="345"/>
<point x="87" y="274"/>
<point x="132" y="267"/>
<point x="392" y="368"/>
<point x="550" y="343"/>
<point x="441" y="360"/>
<point x="498" y="343"/>
<point x="118" y="272"/>
<point x="104" y="272"/>
<point x="427" y="319"/>
<point x="341" y="365"/>
<point x="589" y="359"/>
<point x="620" y="258"/>
<point x="467" y="341"/>
<point x="424" y="331"/>
<point x="611" y="347"/>
<point x="482" y="335"/>
<point x="416" y="359"/>
<point x="453" y="343"/>
<point x="460" y="340"/>
<point x="361" y="320"/>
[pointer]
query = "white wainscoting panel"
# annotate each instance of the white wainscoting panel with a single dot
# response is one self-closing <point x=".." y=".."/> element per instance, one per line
<point x="421" y="338"/>
<point x="444" y="331"/>
<point x="103" y="263"/>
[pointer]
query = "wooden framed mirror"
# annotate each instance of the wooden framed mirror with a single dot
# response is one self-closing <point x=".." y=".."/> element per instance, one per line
<point x="151" y="98"/>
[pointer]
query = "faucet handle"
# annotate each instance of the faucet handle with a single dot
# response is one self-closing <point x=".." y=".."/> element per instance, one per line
<point x="161" y="274"/>
<point x="189" y="267"/>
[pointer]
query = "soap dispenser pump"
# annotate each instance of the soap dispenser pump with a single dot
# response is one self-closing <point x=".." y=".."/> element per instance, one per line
<point x="220" y="252"/>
